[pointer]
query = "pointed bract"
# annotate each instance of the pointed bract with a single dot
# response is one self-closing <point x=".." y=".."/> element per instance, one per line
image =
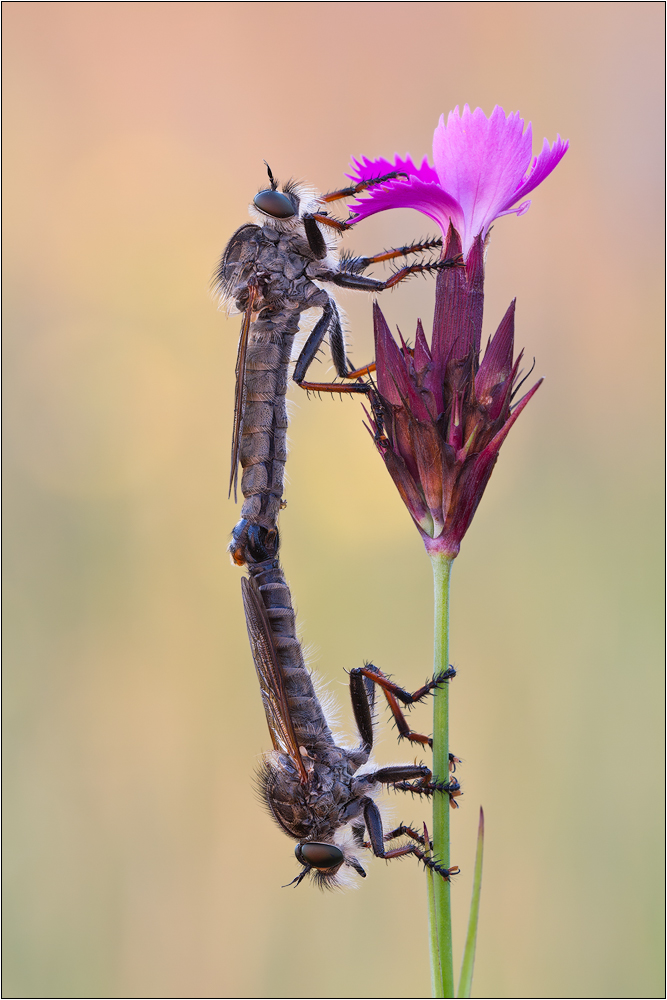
<point x="441" y="461"/>
<point x="497" y="364"/>
<point x="422" y="350"/>
<point x="393" y="371"/>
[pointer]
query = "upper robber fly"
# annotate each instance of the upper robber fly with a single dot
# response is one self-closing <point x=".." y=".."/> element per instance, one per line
<point x="272" y="270"/>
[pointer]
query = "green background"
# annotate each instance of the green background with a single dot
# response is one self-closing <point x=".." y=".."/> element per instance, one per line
<point x="139" y="862"/>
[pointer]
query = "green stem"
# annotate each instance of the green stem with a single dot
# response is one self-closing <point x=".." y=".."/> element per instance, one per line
<point x="440" y="914"/>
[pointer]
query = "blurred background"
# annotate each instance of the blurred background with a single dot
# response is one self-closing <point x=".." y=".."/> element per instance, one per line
<point x="139" y="862"/>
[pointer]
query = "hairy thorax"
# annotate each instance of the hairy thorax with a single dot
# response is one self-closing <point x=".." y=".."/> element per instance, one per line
<point x="312" y="811"/>
<point x="283" y="268"/>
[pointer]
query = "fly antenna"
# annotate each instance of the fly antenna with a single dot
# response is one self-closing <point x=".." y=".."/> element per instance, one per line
<point x="274" y="182"/>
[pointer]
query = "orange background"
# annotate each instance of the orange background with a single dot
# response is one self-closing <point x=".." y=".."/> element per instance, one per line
<point x="139" y="863"/>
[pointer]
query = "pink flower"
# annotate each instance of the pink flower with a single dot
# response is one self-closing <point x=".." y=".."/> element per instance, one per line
<point x="483" y="167"/>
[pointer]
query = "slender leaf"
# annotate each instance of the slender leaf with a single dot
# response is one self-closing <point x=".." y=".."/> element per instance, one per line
<point x="465" y="983"/>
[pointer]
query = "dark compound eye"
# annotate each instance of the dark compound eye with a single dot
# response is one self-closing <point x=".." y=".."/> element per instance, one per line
<point x="274" y="203"/>
<point x="319" y="855"/>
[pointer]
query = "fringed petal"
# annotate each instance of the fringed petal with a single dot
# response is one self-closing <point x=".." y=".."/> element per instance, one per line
<point x="482" y="167"/>
<point x="366" y="169"/>
<point x="424" y="196"/>
<point x="538" y="171"/>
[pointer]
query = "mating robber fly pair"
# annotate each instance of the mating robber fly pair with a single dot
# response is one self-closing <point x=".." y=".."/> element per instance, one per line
<point x="321" y="794"/>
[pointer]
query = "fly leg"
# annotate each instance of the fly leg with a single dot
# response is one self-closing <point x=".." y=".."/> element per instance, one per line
<point x="329" y="322"/>
<point x="354" y="265"/>
<point x="376" y="837"/>
<point x="350" y="276"/>
<point x="358" y="264"/>
<point x="395" y="694"/>
<point x="359" y="282"/>
<point x="416" y="779"/>
<point x="347" y="279"/>
<point x="427" y="787"/>
<point x="423" y="840"/>
<point x="407" y="831"/>
<point x="348" y="192"/>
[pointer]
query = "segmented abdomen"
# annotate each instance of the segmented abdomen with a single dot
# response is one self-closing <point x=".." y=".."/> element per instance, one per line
<point x="264" y="431"/>
<point x="308" y="720"/>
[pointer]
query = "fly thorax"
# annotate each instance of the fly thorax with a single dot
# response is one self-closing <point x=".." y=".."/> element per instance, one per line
<point x="365" y="785"/>
<point x="321" y="269"/>
<point x="284" y="794"/>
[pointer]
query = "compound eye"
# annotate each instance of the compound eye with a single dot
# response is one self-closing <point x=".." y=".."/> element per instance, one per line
<point x="274" y="203"/>
<point x="319" y="855"/>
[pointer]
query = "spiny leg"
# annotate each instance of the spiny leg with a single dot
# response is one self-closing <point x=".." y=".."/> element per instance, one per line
<point x="395" y="694"/>
<point x="359" y="679"/>
<point x="359" y="282"/>
<point x="394" y="774"/>
<point x="416" y="779"/>
<point x="376" y="837"/>
<point x="424" y="840"/>
<point x="349" y="277"/>
<point x="328" y="220"/>
<point x="407" y="831"/>
<point x="330" y="319"/>
<point x="425" y="787"/>
<point x="353" y="189"/>
<point x="357" y="264"/>
<point x="329" y="322"/>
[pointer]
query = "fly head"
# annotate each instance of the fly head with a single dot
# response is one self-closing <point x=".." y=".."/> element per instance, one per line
<point x="276" y="204"/>
<point x="323" y="862"/>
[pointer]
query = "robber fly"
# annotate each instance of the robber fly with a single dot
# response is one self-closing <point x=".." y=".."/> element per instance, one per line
<point x="272" y="270"/>
<point x="318" y="792"/>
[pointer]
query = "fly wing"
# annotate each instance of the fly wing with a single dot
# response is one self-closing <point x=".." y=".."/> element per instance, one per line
<point x="274" y="696"/>
<point x="239" y="392"/>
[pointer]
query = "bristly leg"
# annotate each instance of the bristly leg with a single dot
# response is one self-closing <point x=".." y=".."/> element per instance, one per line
<point x="425" y="787"/>
<point x="355" y="265"/>
<point x="407" y="831"/>
<point x="377" y="841"/>
<point x="408" y="698"/>
<point x="348" y="279"/>
<point x="349" y="192"/>
<point x="393" y="693"/>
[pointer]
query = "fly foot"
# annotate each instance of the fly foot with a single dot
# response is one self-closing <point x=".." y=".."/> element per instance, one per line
<point x="433" y="865"/>
<point x="430" y="787"/>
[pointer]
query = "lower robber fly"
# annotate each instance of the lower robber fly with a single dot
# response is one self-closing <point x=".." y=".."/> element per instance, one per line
<point x="322" y="794"/>
<point x="272" y="271"/>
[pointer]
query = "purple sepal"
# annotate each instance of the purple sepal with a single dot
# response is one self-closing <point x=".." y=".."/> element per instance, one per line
<point x="441" y="456"/>
<point x="394" y="382"/>
<point x="496" y="368"/>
